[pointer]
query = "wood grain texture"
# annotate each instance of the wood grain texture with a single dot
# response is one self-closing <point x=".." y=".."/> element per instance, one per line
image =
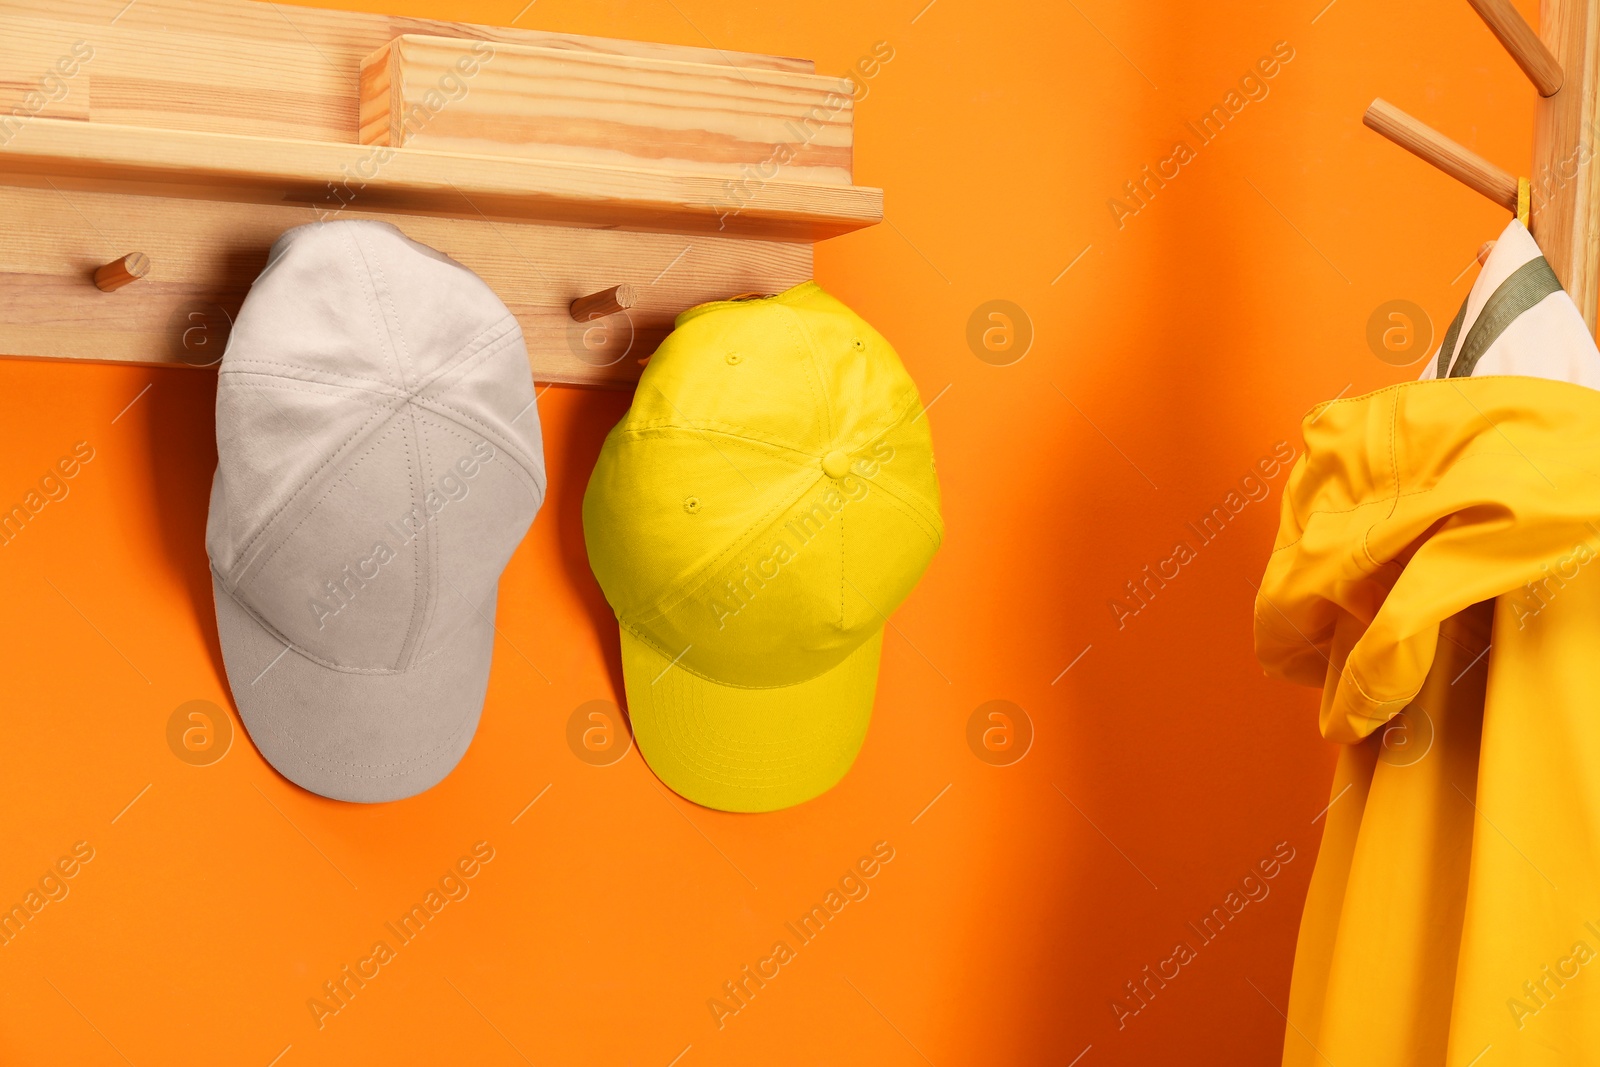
<point x="344" y="177"/>
<point x="1566" y="198"/>
<point x="205" y="254"/>
<point x="1434" y="147"/>
<point x="455" y="95"/>
<point x="198" y="130"/>
<point x="183" y="64"/>
<point x="1522" y="41"/>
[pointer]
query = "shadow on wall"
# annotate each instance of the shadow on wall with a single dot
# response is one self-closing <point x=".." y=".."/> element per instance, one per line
<point x="180" y="420"/>
<point x="589" y="417"/>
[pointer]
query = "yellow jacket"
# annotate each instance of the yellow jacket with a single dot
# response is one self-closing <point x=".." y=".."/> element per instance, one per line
<point x="1454" y="914"/>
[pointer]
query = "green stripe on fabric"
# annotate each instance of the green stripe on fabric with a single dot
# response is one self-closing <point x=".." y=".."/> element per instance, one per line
<point x="1447" y="350"/>
<point x="1527" y="286"/>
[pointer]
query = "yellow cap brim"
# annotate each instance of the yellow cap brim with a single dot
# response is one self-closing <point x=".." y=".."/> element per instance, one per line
<point x="737" y="749"/>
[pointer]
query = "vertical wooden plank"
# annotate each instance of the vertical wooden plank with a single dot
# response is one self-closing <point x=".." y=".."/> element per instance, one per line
<point x="1566" y="158"/>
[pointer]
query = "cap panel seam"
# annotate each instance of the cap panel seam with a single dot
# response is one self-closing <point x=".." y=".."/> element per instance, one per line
<point x="934" y="533"/>
<point x="488" y="349"/>
<point x="358" y="260"/>
<point x="521" y="460"/>
<point x="376" y="414"/>
<point x="417" y="663"/>
<point x="234" y="367"/>
<point x="487" y="340"/>
<point x="842" y="519"/>
<point x="625" y="431"/>
<point x="487" y="344"/>
<point x="386" y="329"/>
<point x="424" y="658"/>
<point x="245" y="560"/>
<point x="933" y="525"/>
<point x="807" y="342"/>
<point x="911" y="403"/>
<point x="763" y="522"/>
<point x="475" y="344"/>
<point x="929" y="519"/>
<point x="528" y="473"/>
<point x="424" y="655"/>
<point x="344" y="388"/>
<point x="415" y="472"/>
<point x="425" y="580"/>
<point x="630" y="423"/>
<point x="352" y="253"/>
<point x="383" y="411"/>
<point x="272" y="553"/>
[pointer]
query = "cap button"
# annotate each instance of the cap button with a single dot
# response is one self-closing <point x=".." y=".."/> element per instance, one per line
<point x="836" y="464"/>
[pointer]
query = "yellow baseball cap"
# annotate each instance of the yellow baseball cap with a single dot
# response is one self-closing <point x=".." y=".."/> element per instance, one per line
<point x="766" y="502"/>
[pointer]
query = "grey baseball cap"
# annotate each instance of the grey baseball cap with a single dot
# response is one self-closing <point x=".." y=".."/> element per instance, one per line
<point x="378" y="461"/>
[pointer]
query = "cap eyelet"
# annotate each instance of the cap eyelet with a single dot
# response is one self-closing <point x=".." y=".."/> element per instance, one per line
<point x="692" y="505"/>
<point x="858" y="344"/>
<point x="735" y="358"/>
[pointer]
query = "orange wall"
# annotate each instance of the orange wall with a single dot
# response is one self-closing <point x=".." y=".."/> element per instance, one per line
<point x="1164" y="767"/>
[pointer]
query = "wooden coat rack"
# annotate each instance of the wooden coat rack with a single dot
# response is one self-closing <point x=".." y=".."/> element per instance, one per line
<point x="1562" y="60"/>
<point x="151" y="152"/>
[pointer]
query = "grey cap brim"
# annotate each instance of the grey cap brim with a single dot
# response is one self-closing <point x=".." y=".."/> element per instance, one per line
<point x="357" y="736"/>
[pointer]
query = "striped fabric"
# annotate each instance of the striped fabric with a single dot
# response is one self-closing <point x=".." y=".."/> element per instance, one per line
<point x="1518" y="320"/>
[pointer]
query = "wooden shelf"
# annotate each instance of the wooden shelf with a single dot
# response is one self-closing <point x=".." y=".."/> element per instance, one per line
<point x="189" y="134"/>
<point x="200" y="165"/>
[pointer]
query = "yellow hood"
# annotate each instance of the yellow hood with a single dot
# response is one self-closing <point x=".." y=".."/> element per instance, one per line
<point x="1409" y="505"/>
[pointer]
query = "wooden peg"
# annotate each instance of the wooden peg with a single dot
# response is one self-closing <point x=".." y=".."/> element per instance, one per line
<point x="607" y="302"/>
<point x="1523" y="43"/>
<point x="125" y="271"/>
<point x="1434" y="147"/>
